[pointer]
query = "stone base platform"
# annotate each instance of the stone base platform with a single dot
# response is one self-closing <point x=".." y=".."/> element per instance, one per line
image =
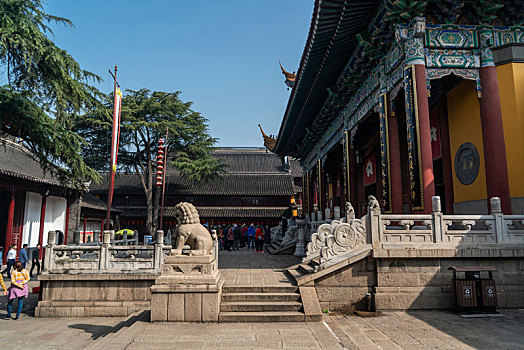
<point x="94" y="294"/>
<point x="188" y="290"/>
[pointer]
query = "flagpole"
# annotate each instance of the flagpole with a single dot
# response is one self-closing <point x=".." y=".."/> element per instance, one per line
<point x="164" y="181"/>
<point x="111" y="168"/>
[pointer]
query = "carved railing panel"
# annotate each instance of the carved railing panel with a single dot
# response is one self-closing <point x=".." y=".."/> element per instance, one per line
<point x="75" y="258"/>
<point x="345" y="237"/>
<point x="131" y="258"/>
<point x="513" y="225"/>
<point x="469" y="229"/>
<point x="406" y="229"/>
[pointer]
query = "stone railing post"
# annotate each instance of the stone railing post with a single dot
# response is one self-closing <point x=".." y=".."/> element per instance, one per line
<point x="300" y="249"/>
<point x="374" y="226"/>
<point x="105" y="257"/>
<point x="327" y="214"/>
<point x="499" y="227"/>
<point x="437" y="225"/>
<point x="159" y="253"/>
<point x="336" y="213"/>
<point x="49" y="261"/>
<point x="319" y="215"/>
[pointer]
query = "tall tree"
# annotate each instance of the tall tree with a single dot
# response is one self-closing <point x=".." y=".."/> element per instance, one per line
<point x="46" y="88"/>
<point x="145" y="117"/>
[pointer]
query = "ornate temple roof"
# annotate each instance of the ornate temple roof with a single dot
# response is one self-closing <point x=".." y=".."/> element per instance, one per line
<point x="330" y="43"/>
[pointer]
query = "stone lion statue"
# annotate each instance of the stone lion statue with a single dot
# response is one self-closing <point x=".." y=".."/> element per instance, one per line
<point x="190" y="231"/>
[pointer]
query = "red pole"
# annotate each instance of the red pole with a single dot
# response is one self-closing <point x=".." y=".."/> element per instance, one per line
<point x="101" y="230"/>
<point x="67" y="221"/>
<point x="113" y="155"/>
<point x="10" y="219"/>
<point x="164" y="181"/>
<point x="42" y="222"/>
<point x="84" y="235"/>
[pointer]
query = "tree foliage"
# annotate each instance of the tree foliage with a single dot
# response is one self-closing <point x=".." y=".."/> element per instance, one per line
<point x="46" y="88"/>
<point x="146" y="115"/>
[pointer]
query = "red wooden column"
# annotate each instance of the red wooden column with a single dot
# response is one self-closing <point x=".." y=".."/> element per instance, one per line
<point x="10" y="220"/>
<point x="497" y="181"/>
<point x="426" y="154"/>
<point x="42" y="222"/>
<point x="394" y="155"/>
<point x="419" y="106"/>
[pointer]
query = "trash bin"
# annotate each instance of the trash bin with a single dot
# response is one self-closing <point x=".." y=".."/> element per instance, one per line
<point x="475" y="292"/>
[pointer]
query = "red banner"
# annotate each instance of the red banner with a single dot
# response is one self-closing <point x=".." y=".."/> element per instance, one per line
<point x="370" y="170"/>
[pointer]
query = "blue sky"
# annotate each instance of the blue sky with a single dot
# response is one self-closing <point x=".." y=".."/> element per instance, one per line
<point x="222" y="54"/>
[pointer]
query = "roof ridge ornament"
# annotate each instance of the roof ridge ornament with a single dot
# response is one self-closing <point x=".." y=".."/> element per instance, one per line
<point x="290" y="77"/>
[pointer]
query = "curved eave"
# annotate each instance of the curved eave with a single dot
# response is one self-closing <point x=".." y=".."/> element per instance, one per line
<point x="330" y="43"/>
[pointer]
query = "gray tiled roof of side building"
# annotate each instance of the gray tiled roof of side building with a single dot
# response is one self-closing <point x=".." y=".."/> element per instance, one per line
<point x="18" y="162"/>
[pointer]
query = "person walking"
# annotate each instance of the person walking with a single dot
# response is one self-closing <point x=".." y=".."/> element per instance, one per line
<point x="11" y="259"/>
<point x="243" y="240"/>
<point x="35" y="261"/>
<point x="237" y="232"/>
<point x="259" y="240"/>
<point x="251" y="236"/>
<point x="22" y="256"/>
<point x="230" y="238"/>
<point x="18" y="289"/>
<point x="220" y="238"/>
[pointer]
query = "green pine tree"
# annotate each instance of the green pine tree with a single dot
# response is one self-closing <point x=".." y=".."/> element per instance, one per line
<point x="145" y="117"/>
<point x="46" y="88"/>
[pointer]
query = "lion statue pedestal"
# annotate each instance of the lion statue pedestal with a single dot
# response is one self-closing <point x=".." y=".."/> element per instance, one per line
<point x="189" y="288"/>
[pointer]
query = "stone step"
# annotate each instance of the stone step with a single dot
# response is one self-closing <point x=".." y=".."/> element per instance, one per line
<point x="294" y="273"/>
<point x="305" y="268"/>
<point x="259" y="289"/>
<point x="250" y="306"/>
<point x="260" y="297"/>
<point x="285" y="316"/>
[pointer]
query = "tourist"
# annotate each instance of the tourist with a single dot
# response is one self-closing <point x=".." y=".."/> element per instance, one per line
<point x="259" y="240"/>
<point x="11" y="258"/>
<point x="251" y="236"/>
<point x="220" y="231"/>
<point x="230" y="238"/>
<point x="237" y="232"/>
<point x="22" y="255"/>
<point x="243" y="239"/>
<point x="35" y="261"/>
<point x="1" y="256"/>
<point x="18" y="289"/>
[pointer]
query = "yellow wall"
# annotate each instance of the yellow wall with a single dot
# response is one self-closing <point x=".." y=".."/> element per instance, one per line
<point x="464" y="126"/>
<point x="511" y="86"/>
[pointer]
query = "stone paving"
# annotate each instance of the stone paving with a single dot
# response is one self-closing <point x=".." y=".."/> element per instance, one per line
<point x="245" y="267"/>
<point x="397" y="330"/>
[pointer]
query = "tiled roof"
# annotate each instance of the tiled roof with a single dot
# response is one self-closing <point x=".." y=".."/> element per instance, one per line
<point x="228" y="184"/>
<point x="252" y="172"/>
<point x="91" y="202"/>
<point x="256" y="161"/>
<point x="17" y="161"/>
<point x="216" y="212"/>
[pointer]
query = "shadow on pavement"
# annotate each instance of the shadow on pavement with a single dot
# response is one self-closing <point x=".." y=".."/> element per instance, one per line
<point x="97" y="331"/>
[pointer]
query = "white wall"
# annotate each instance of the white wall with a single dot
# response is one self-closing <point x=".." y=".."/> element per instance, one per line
<point x="55" y="215"/>
<point x="33" y="206"/>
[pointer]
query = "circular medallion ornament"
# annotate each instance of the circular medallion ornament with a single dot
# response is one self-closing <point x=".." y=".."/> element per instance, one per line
<point x="467" y="163"/>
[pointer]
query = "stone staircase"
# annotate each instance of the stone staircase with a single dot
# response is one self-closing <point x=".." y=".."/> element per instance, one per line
<point x="278" y="303"/>
<point x="277" y="248"/>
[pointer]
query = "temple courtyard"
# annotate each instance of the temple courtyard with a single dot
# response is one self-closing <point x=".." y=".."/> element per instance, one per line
<point x="393" y="330"/>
